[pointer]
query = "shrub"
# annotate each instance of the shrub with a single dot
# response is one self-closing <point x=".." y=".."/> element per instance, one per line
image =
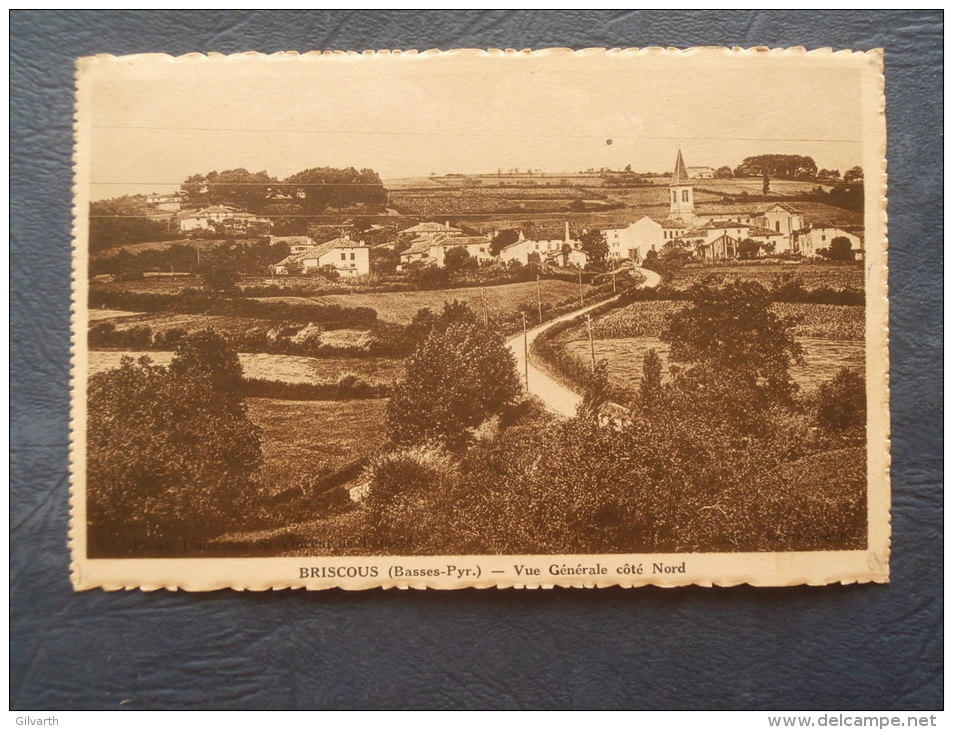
<point x="410" y="494"/>
<point x="170" y="451"/>
<point x="459" y="374"/>
<point x="841" y="403"/>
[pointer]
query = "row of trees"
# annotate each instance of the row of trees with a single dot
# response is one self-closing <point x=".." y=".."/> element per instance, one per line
<point x="310" y="191"/>
<point x="791" y="167"/>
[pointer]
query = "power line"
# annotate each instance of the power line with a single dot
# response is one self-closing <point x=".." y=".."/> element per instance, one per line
<point x="385" y="133"/>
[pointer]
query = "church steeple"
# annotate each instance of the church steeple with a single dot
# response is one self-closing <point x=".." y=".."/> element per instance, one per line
<point x="681" y="172"/>
<point x="681" y="193"/>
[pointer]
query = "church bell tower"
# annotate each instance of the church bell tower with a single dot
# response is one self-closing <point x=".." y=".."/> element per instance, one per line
<point x="681" y="195"/>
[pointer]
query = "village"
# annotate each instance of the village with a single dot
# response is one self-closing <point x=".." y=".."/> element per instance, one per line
<point x="333" y="293"/>
<point x="705" y="231"/>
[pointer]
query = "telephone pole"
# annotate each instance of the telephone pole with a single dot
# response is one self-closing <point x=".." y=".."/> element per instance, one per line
<point x="539" y="301"/>
<point x="592" y="346"/>
<point x="486" y="316"/>
<point x="525" y="355"/>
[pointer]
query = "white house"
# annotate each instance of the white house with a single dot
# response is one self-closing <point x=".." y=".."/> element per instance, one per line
<point x="701" y="173"/>
<point x="782" y="218"/>
<point x="636" y="239"/>
<point x="808" y="241"/>
<point x="215" y="215"/>
<point x="296" y="244"/>
<point x="206" y="217"/>
<point x="477" y="246"/>
<point x="431" y="249"/>
<point x="349" y="258"/>
<point x="566" y="251"/>
<point x="165" y="201"/>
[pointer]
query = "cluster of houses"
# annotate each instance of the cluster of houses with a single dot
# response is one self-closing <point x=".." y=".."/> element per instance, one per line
<point x="430" y="243"/>
<point x="712" y="232"/>
<point x="168" y="206"/>
<point x="715" y="231"/>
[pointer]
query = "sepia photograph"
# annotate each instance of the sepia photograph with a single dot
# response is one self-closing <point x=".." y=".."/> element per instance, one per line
<point x="480" y="319"/>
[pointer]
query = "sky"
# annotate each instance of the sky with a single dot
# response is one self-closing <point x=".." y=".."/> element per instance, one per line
<point x="154" y="120"/>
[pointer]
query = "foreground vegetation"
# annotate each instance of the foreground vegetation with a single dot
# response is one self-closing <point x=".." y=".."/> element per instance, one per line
<point x="456" y="461"/>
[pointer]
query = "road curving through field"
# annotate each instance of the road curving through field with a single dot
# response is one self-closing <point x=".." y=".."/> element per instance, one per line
<point x="555" y="396"/>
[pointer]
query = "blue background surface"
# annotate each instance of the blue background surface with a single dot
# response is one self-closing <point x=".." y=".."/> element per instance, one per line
<point x="866" y="647"/>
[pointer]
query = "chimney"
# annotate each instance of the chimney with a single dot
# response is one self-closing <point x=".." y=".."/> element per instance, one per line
<point x="567" y="231"/>
<point x="448" y="224"/>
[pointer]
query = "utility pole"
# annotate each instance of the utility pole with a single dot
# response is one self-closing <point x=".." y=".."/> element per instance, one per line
<point x="592" y="346"/>
<point x="613" y="282"/>
<point x="539" y="301"/>
<point x="486" y="315"/>
<point x="525" y="355"/>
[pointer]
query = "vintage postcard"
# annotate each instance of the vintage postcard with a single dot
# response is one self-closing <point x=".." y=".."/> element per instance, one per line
<point x="480" y="319"/>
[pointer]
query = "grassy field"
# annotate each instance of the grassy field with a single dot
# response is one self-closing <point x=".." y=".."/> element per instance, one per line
<point x="832" y="337"/>
<point x="314" y="439"/>
<point x="813" y="276"/>
<point x="754" y="186"/>
<point x="161" y="322"/>
<point x="402" y="306"/>
<point x="818" y="213"/>
<point x="823" y="358"/>
<point x="648" y="319"/>
<point x="285" y="368"/>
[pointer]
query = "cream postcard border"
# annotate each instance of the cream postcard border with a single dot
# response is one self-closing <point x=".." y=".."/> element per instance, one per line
<point x="483" y="571"/>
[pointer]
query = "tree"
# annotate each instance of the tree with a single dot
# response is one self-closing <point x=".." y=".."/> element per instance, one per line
<point x="675" y="254"/>
<point x="733" y="346"/>
<point x="854" y="174"/>
<point x="777" y="166"/>
<point x="650" y="387"/>
<point x="460" y="374"/>
<point x="121" y="221"/>
<point x="748" y="248"/>
<point x="503" y="239"/>
<point x="320" y="188"/>
<point x="765" y="184"/>
<point x="723" y="172"/>
<point x="841" y="249"/>
<point x="170" y="451"/>
<point x="219" y="270"/>
<point x="458" y="259"/>
<point x="594" y="244"/>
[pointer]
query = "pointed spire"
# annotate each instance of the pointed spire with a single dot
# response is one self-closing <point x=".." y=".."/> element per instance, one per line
<point x="681" y="173"/>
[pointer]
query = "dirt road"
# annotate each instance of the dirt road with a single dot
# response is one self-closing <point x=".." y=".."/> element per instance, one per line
<point x="557" y="397"/>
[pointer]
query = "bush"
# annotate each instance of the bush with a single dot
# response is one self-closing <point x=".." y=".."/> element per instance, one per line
<point x="170" y="451"/>
<point x="410" y="493"/>
<point x="841" y="403"/>
<point x="460" y="374"/>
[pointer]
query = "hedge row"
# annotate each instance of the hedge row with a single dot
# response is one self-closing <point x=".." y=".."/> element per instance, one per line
<point x="350" y="387"/>
<point x="194" y="301"/>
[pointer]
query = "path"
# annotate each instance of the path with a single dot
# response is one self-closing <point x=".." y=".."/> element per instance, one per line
<point x="555" y="396"/>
